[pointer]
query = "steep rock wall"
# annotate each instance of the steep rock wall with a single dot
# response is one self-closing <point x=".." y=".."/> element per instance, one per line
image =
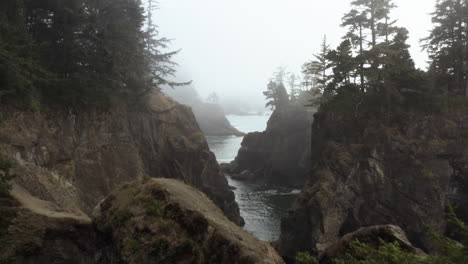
<point x="403" y="171"/>
<point x="75" y="159"/>
<point x="280" y="154"/>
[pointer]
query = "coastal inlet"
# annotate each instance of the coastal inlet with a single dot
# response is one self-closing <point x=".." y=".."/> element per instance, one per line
<point x="261" y="205"/>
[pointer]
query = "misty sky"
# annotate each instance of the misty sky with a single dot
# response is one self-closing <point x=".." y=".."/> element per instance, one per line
<point x="233" y="47"/>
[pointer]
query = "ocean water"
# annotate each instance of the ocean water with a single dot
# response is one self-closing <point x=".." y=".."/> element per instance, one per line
<point x="261" y="205"/>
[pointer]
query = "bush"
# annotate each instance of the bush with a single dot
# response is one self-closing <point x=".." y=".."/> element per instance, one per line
<point x="385" y="253"/>
<point x="453" y="252"/>
<point x="305" y="258"/>
<point x="5" y="176"/>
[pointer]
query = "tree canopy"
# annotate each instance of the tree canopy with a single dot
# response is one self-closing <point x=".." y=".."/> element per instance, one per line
<point x="79" y="53"/>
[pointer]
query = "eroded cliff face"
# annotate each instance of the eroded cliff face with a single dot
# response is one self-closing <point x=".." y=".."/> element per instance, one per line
<point x="371" y="171"/>
<point x="75" y="159"/>
<point x="280" y="154"/>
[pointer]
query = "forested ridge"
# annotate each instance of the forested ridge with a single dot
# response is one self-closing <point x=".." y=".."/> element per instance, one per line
<point x="373" y="65"/>
<point x="79" y="53"/>
<point x="372" y="68"/>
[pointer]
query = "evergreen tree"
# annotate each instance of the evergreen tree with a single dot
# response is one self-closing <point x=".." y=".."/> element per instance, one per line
<point x="292" y="81"/>
<point x="356" y="21"/>
<point x="276" y="95"/>
<point x="319" y="67"/>
<point x="79" y="53"/>
<point x="343" y="63"/>
<point x="371" y="16"/>
<point x="448" y="45"/>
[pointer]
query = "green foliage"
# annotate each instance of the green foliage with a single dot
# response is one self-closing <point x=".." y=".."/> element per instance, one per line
<point x="427" y="173"/>
<point x="305" y="258"/>
<point x="448" y="46"/>
<point x="5" y="176"/>
<point x="120" y="217"/>
<point x="155" y="208"/>
<point x="385" y="253"/>
<point x="79" y="53"/>
<point x="276" y="94"/>
<point x="453" y="252"/>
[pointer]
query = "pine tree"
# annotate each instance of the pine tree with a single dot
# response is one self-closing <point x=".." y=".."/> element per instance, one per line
<point x="80" y="53"/>
<point x="371" y="16"/>
<point x="292" y="81"/>
<point x="319" y="67"/>
<point x="448" y="45"/>
<point x="343" y="63"/>
<point x="355" y="21"/>
<point x="276" y="95"/>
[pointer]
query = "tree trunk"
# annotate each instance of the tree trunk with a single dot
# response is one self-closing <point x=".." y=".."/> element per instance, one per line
<point x="373" y="30"/>
<point x="361" y="65"/>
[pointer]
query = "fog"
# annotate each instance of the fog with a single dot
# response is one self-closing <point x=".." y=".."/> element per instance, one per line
<point x="233" y="47"/>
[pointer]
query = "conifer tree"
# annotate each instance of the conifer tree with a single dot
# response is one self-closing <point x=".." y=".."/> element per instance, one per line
<point x="343" y="63"/>
<point x="355" y="21"/>
<point x="276" y="95"/>
<point x="319" y="67"/>
<point x="292" y="81"/>
<point x="448" y="45"/>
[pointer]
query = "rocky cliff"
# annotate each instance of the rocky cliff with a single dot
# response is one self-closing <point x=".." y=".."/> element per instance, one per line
<point x="147" y="221"/>
<point x="210" y="116"/>
<point x="401" y="169"/>
<point x="74" y="160"/>
<point x="213" y="121"/>
<point x="280" y="154"/>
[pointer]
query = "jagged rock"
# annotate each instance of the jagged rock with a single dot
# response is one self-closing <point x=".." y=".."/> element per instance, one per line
<point x="244" y="176"/>
<point x="370" y="236"/>
<point x="74" y="159"/>
<point x="213" y="121"/>
<point x="281" y="154"/>
<point x="148" y="221"/>
<point x="372" y="171"/>
<point x="210" y="116"/>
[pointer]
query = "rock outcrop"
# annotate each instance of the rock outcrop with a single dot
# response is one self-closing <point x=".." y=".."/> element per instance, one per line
<point x="74" y="160"/>
<point x="402" y="169"/>
<point x="210" y="116"/>
<point x="370" y="236"/>
<point x="213" y="121"/>
<point x="147" y="221"/>
<point x="281" y="154"/>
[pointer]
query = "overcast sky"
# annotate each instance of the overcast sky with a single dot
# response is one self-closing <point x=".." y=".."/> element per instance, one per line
<point x="232" y="47"/>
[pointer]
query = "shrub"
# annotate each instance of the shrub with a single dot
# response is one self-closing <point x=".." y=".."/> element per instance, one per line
<point x="5" y="176"/>
<point x="453" y="252"/>
<point x="121" y="217"/>
<point x="155" y="208"/>
<point x="305" y="258"/>
<point x="385" y="253"/>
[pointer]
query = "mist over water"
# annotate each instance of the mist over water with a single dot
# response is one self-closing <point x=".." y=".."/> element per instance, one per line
<point x="261" y="205"/>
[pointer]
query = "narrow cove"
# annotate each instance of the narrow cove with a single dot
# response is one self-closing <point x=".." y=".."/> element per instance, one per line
<point x="261" y="205"/>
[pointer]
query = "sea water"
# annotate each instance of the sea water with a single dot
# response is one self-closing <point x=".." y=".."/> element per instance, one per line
<point x="261" y="205"/>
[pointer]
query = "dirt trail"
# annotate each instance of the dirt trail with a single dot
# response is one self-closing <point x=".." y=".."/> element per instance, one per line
<point x="43" y="207"/>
